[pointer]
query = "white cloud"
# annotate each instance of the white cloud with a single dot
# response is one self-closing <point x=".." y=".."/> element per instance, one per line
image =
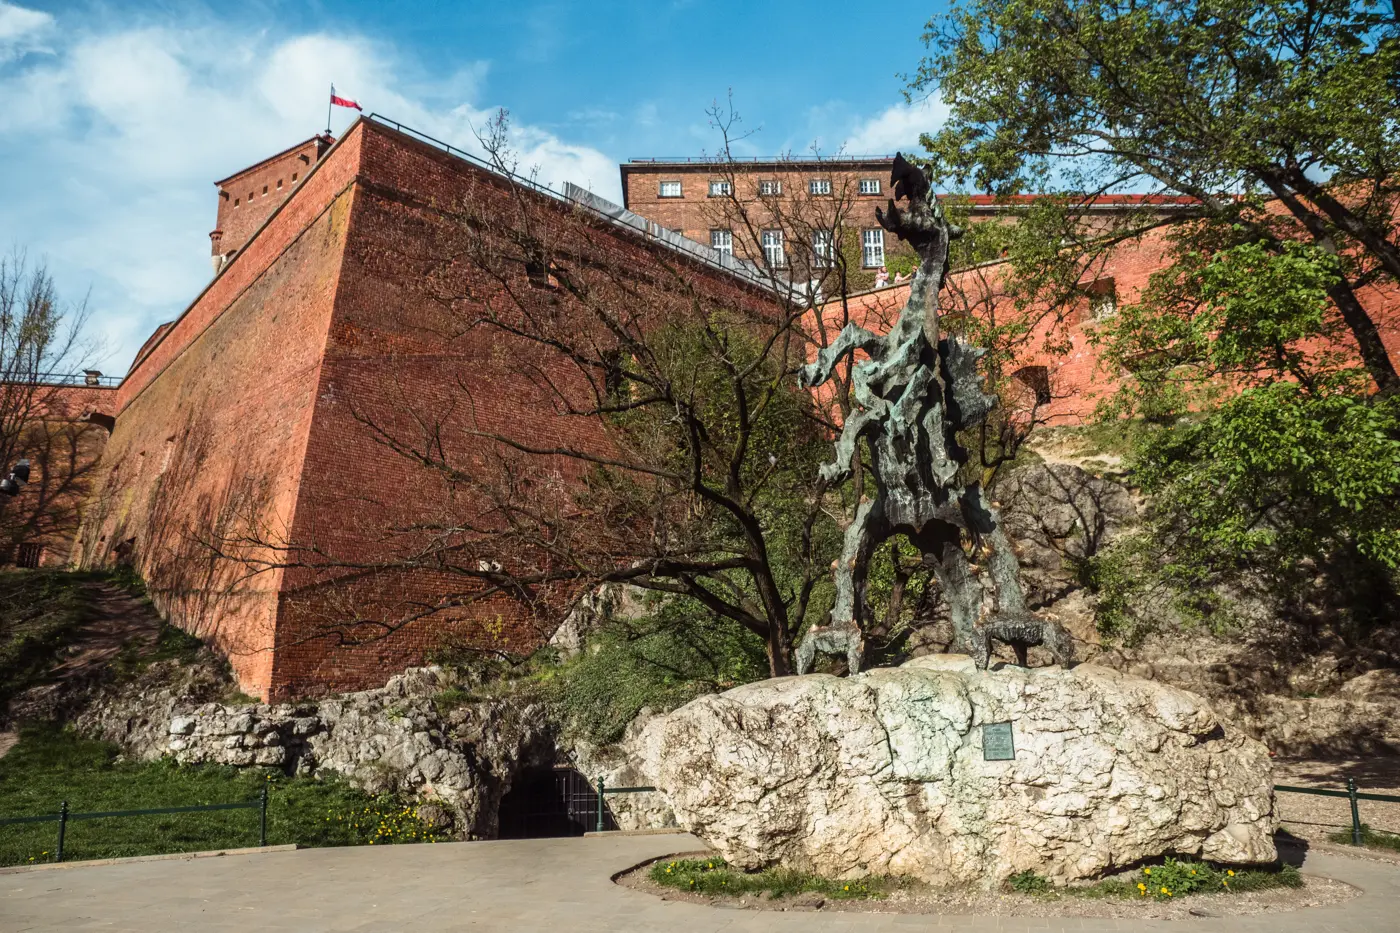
<point x="897" y="128"/>
<point x="110" y="143"/>
<point x="22" y="30"/>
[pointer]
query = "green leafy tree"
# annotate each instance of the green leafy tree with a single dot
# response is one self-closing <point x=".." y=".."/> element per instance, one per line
<point x="1255" y="351"/>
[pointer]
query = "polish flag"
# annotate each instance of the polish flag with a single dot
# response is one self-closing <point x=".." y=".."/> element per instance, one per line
<point x="345" y="102"/>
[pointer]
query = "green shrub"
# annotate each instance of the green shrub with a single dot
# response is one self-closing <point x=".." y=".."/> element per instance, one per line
<point x="661" y="661"/>
<point x="1028" y="882"/>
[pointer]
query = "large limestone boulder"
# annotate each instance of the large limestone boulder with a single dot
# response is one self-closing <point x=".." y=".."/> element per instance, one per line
<point x="883" y="773"/>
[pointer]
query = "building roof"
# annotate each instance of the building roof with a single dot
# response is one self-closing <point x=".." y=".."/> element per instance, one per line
<point x="326" y="138"/>
<point x="641" y="163"/>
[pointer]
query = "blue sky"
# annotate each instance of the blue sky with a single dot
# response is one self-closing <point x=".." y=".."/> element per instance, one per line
<point x="116" y="117"/>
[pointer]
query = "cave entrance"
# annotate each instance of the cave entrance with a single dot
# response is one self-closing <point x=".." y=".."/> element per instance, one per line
<point x="545" y="802"/>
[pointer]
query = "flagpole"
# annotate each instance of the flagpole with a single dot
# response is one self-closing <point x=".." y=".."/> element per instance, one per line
<point x="328" y="109"/>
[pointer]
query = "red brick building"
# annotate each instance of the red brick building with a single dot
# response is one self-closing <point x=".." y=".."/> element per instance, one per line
<point x="62" y="434"/>
<point x="796" y="212"/>
<point x="756" y="209"/>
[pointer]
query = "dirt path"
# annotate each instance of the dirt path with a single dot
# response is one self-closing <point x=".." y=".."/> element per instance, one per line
<point x="117" y="619"/>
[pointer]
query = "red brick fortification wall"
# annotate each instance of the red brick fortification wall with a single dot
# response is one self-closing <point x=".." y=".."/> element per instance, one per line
<point x="211" y="427"/>
<point x="397" y="356"/>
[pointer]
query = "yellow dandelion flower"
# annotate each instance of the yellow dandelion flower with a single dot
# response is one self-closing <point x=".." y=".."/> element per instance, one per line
<point x="1193" y="871"/>
<point x="1147" y="871"/>
<point x="1164" y="890"/>
<point x="1141" y="886"/>
<point x="846" y="888"/>
<point x="1230" y="872"/>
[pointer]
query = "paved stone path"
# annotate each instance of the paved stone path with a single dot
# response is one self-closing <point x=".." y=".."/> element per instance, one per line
<point x="547" y="885"/>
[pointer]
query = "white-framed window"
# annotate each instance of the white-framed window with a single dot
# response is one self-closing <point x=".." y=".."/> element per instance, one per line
<point x="773" y="249"/>
<point x="872" y="253"/>
<point x="722" y="241"/>
<point x="821" y="247"/>
<point x="819" y="186"/>
<point x="721" y="189"/>
<point x="870" y="186"/>
<point x="670" y="189"/>
<point x="770" y="187"/>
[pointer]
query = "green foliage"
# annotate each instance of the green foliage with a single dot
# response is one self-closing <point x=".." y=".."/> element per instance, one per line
<point x="1276" y="472"/>
<point x="715" y="877"/>
<point x="1273" y="456"/>
<point x="1257" y="305"/>
<point x="175" y="644"/>
<point x="1028" y="882"/>
<point x="661" y="661"/>
<point x="1196" y="91"/>
<point x="1370" y="838"/>
<point x="451" y="698"/>
<point x="755" y="444"/>
<point x="1240" y="316"/>
<point x="1286" y="485"/>
<point x="1164" y="882"/>
<point x="49" y="765"/>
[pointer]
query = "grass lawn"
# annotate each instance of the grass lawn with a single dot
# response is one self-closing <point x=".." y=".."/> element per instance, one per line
<point x="39" y="610"/>
<point x="50" y="765"/>
<point x="1167" y="880"/>
<point x="714" y="876"/>
<point x="1370" y="838"/>
<point x="1161" y="882"/>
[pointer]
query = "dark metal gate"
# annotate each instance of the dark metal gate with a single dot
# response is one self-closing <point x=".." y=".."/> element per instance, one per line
<point x="550" y="802"/>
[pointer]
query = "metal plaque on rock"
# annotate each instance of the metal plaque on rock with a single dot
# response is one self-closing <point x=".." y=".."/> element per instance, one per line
<point x="996" y="742"/>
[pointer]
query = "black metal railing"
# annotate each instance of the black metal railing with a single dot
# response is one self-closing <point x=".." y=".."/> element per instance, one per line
<point x="63" y="817"/>
<point x="603" y="790"/>
<point x="1351" y="793"/>
<point x="760" y="160"/>
<point x="74" y="379"/>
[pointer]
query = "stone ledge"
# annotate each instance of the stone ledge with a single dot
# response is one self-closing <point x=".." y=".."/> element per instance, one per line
<point x="653" y="831"/>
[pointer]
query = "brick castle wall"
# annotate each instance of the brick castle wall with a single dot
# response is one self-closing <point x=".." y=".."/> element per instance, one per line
<point x="246" y="418"/>
<point x="211" y="428"/>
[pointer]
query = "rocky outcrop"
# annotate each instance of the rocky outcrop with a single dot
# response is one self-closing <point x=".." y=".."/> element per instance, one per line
<point x="393" y="739"/>
<point x="883" y="773"/>
<point x="1299" y="705"/>
<point x="1057" y="515"/>
<point x="622" y="765"/>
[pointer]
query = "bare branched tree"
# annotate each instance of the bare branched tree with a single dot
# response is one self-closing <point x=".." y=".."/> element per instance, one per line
<point x="666" y="447"/>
